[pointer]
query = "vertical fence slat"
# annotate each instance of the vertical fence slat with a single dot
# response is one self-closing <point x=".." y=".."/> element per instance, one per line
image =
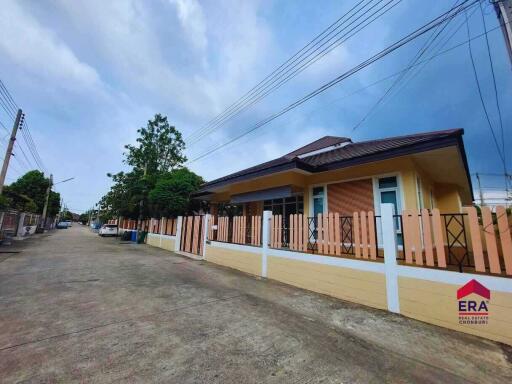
<point x="258" y="230"/>
<point x="490" y="240"/>
<point x="273" y="231"/>
<point x="427" y="237"/>
<point x="438" y="238"/>
<point x="320" y="233"/>
<point x="356" y="236"/>
<point x="506" y="243"/>
<point x="305" y="233"/>
<point x="293" y="231"/>
<point x="364" y="234"/>
<point x="371" y="234"/>
<point x="476" y="240"/>
<point x="196" y="234"/>
<point x="325" y="237"/>
<point x="416" y="237"/>
<point x="330" y="239"/>
<point x="280" y="231"/>
<point x="300" y="240"/>
<point x="407" y="229"/>
<point x="337" y="234"/>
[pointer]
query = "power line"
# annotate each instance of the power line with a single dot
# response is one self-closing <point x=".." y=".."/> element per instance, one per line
<point x="291" y="71"/>
<point x="494" y="85"/>
<point x="29" y="141"/>
<point x="481" y="96"/>
<point x="426" y="45"/>
<point x="413" y="35"/>
<point x="297" y="54"/>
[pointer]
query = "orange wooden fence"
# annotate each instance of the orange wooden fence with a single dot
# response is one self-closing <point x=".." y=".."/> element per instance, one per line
<point x="489" y="244"/>
<point x="243" y="229"/>
<point x="362" y="236"/>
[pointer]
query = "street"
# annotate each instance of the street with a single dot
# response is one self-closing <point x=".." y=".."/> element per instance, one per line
<point x="79" y="308"/>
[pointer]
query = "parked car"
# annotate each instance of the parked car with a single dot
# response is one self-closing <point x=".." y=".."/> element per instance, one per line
<point x="62" y="225"/>
<point x="108" y="230"/>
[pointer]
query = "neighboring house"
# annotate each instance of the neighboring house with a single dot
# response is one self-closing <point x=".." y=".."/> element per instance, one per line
<point x="334" y="174"/>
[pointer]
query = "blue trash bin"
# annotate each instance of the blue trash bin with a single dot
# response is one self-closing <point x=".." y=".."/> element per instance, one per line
<point x="134" y="236"/>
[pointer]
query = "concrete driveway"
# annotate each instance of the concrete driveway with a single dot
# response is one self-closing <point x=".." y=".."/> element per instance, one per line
<point x="78" y="308"/>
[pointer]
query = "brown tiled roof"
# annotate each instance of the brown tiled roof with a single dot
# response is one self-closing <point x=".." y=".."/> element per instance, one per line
<point x="363" y="148"/>
<point x="349" y="154"/>
<point x="324" y="142"/>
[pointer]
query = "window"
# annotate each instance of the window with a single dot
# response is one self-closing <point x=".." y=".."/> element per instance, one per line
<point x="286" y="207"/>
<point x="389" y="193"/>
<point x="318" y="200"/>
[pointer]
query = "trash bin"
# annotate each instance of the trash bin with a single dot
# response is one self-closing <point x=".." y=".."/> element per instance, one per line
<point x="134" y="236"/>
<point x="141" y="237"/>
<point x="126" y="236"/>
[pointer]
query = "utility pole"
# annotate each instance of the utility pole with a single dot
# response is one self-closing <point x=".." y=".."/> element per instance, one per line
<point x="480" y="190"/>
<point x="8" y="153"/>
<point x="503" y="10"/>
<point x="45" y="208"/>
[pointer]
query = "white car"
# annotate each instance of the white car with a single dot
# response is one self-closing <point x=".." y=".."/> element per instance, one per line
<point x="108" y="230"/>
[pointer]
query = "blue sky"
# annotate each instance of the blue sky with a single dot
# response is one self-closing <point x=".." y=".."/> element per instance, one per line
<point x="89" y="73"/>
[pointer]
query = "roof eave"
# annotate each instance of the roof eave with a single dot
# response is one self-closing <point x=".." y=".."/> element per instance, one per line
<point x="293" y="164"/>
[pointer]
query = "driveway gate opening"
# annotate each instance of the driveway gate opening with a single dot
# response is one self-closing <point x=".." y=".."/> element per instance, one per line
<point x="192" y="234"/>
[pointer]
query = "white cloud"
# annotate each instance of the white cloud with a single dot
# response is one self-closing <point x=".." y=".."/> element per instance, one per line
<point x="192" y="21"/>
<point x="40" y="53"/>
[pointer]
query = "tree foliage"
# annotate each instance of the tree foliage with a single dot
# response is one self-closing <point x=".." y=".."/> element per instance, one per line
<point x="159" y="147"/>
<point x="28" y="194"/>
<point x="157" y="177"/>
<point x="171" y="195"/>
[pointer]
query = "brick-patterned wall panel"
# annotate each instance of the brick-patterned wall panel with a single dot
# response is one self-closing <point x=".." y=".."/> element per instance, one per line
<point x="351" y="196"/>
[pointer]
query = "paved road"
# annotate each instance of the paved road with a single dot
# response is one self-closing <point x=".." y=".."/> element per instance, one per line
<point x="78" y="308"/>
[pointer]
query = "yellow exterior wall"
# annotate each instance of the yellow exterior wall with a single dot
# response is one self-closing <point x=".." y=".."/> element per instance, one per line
<point x="447" y="198"/>
<point x="243" y="261"/>
<point x="154" y="240"/>
<point x="168" y="244"/>
<point x="405" y="166"/>
<point x="436" y="303"/>
<point x="368" y="288"/>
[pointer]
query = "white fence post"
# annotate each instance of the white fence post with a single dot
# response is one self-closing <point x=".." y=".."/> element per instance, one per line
<point x="265" y="228"/>
<point x="19" y="230"/>
<point x="206" y="224"/>
<point x="390" y="255"/>
<point x="161" y="229"/>
<point x="177" y="243"/>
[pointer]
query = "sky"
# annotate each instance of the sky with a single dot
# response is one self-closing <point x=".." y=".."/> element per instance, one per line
<point x="88" y="74"/>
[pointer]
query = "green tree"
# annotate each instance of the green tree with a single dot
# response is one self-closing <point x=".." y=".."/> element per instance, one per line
<point x="28" y="193"/>
<point x="171" y="195"/>
<point x="157" y="154"/>
<point x="159" y="147"/>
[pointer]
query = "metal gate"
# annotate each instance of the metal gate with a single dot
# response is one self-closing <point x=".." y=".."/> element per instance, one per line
<point x="192" y="234"/>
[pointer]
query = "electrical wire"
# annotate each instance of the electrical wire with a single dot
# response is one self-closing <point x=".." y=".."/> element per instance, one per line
<point x="470" y="49"/>
<point x="495" y="87"/>
<point x="299" y="53"/>
<point x="410" y="37"/>
<point x="427" y="44"/>
<point x="290" y="73"/>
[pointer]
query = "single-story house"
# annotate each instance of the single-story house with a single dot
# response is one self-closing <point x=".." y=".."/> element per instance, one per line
<point x="335" y="174"/>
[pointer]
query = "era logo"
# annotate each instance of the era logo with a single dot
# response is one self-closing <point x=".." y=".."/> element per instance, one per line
<point x="473" y="311"/>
